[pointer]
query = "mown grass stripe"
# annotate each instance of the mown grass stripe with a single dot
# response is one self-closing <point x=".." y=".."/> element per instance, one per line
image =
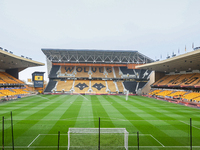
<point x="58" y="125"/>
<point x="159" y="118"/>
<point x="99" y="111"/>
<point x="85" y="116"/>
<point x="19" y="124"/>
<point x="114" y="113"/>
<point x="123" y="104"/>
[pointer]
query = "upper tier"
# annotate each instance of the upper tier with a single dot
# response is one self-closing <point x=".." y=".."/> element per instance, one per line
<point x="97" y="72"/>
<point x="191" y="80"/>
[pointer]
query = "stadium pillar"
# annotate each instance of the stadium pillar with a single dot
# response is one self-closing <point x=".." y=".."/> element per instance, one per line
<point x="190" y="133"/>
<point x="12" y="130"/>
<point x="99" y="135"/>
<point x="138" y="140"/>
<point x="3" y="133"/>
<point x="58" y="139"/>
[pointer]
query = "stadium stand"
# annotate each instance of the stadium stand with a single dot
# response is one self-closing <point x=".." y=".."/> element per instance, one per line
<point x="130" y="86"/>
<point x="10" y="66"/>
<point x="197" y="99"/>
<point x="98" y="86"/>
<point x="8" y="92"/>
<point x="61" y="86"/>
<point x="94" y="71"/>
<point x="193" y="80"/>
<point x="110" y="72"/>
<point x="81" y="86"/>
<point x="97" y="72"/>
<point x="64" y="85"/>
<point x="166" y="80"/>
<point x="154" y="92"/>
<point x="82" y="72"/>
<point x="120" y="86"/>
<point x="67" y="69"/>
<point x="20" y="91"/>
<point x="87" y="72"/>
<point x="191" y="96"/>
<point x="8" y="79"/>
<point x="181" y="80"/>
<point x="117" y="72"/>
<point x="177" y="94"/>
<point x="111" y="86"/>
<point x="2" y="81"/>
<point x="10" y="86"/>
<point x="164" y="93"/>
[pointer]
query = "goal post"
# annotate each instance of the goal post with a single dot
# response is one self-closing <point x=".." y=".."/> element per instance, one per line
<point x="127" y="93"/>
<point x="87" y="138"/>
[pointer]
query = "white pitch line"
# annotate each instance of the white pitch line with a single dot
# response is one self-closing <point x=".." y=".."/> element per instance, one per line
<point x="53" y="134"/>
<point x="84" y="97"/>
<point x="42" y="147"/>
<point x="33" y="140"/>
<point x="42" y="97"/>
<point x="189" y="124"/>
<point x="157" y="140"/>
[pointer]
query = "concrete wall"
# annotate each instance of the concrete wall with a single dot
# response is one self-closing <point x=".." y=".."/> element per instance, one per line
<point x="147" y="87"/>
<point x="159" y="75"/>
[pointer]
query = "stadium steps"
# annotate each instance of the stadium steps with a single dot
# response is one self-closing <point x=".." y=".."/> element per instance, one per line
<point x="113" y="72"/>
<point x="116" y="86"/>
<point x="50" y="86"/>
<point x="130" y="86"/>
<point x="111" y="86"/>
<point x="117" y="72"/>
<point x="120" y="87"/>
<point x="125" y="70"/>
<point x="53" y="72"/>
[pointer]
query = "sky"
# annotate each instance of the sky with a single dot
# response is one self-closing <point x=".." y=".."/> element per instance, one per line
<point x="155" y="28"/>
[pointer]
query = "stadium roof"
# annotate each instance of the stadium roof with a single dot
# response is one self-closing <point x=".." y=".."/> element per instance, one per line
<point x="185" y="62"/>
<point x="95" y="56"/>
<point x="10" y="61"/>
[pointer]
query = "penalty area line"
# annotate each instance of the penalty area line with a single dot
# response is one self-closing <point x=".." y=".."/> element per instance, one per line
<point x="33" y="140"/>
<point x="189" y="124"/>
<point x="157" y="140"/>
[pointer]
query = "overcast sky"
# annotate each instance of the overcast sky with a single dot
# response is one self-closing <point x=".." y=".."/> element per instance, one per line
<point x="155" y="28"/>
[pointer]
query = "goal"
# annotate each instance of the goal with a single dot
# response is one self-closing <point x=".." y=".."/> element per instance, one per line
<point x="88" y="138"/>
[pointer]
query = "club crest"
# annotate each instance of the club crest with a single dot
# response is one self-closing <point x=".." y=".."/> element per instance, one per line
<point x="81" y="86"/>
<point x="98" y="86"/>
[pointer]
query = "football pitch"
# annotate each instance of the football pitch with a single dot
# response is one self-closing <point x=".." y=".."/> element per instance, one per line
<point x="37" y="119"/>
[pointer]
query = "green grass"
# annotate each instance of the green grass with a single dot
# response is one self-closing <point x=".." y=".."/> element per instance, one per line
<point x="37" y="120"/>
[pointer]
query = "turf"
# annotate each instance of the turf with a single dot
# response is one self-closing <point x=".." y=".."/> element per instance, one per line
<point x="37" y="120"/>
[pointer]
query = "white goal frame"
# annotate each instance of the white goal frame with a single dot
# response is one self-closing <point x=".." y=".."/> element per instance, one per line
<point x="102" y="130"/>
<point x="127" y="93"/>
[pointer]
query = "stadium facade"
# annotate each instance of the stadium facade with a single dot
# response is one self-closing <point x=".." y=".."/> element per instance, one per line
<point x="95" y="71"/>
<point x="177" y="78"/>
<point x="10" y="66"/>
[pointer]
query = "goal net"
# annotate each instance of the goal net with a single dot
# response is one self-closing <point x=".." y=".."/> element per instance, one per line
<point x="88" y="138"/>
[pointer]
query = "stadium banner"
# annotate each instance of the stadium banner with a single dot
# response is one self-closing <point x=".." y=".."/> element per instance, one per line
<point x="38" y="79"/>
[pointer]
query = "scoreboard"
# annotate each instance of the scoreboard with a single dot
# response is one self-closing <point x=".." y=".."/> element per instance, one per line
<point x="38" y="79"/>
